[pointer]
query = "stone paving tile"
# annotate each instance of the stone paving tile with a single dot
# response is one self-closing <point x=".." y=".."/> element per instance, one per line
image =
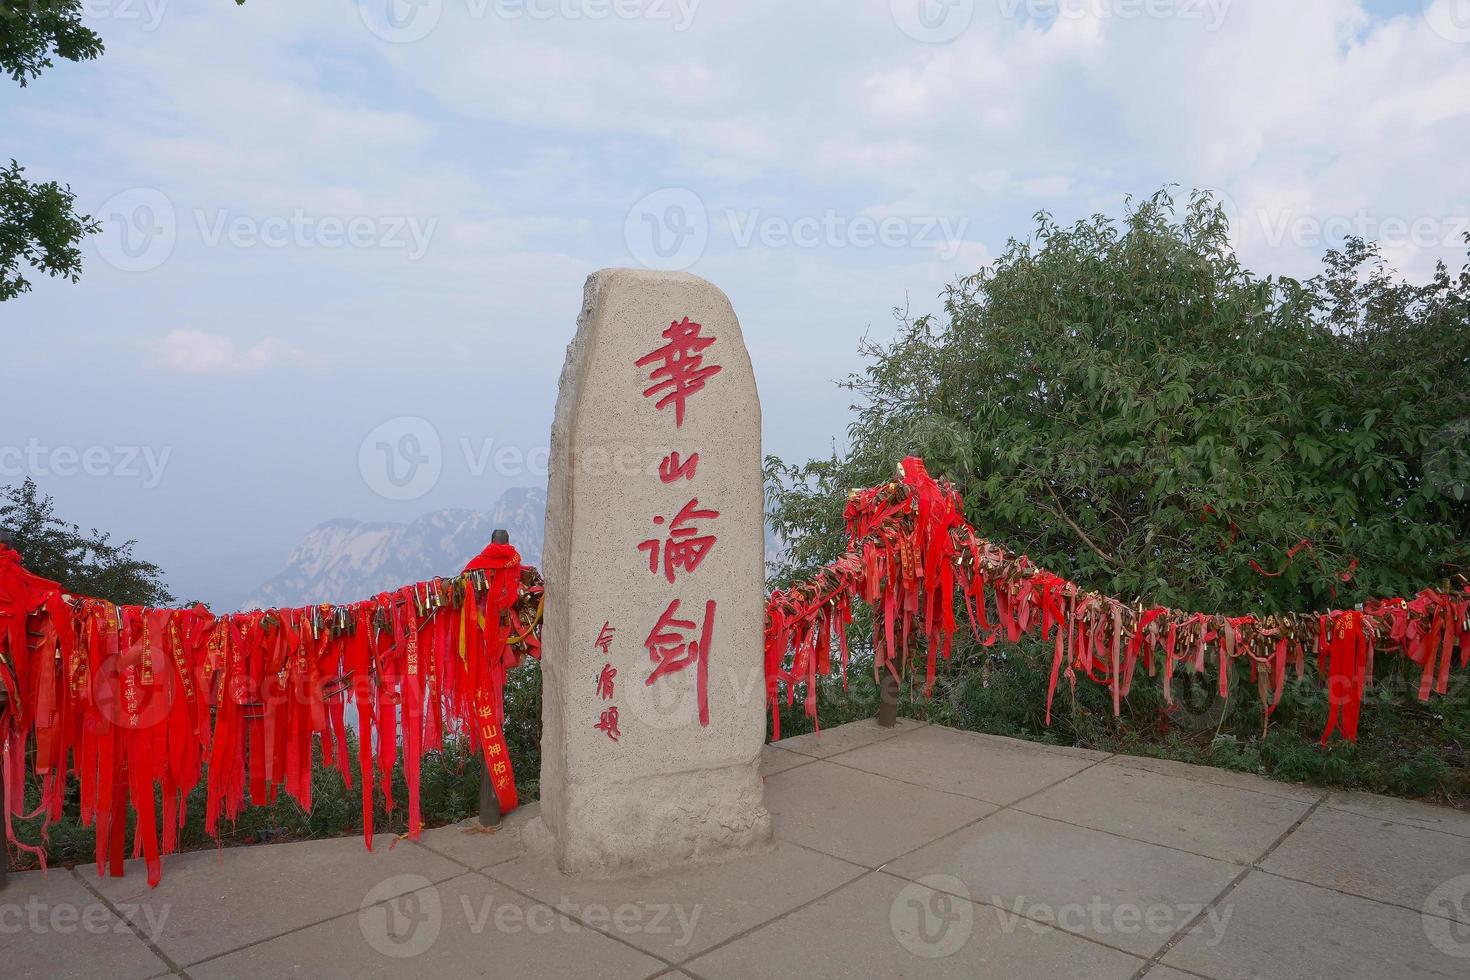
<point x="995" y="770"/>
<point x="466" y="843"/>
<point x="1125" y="893"/>
<point x="1286" y="930"/>
<point x="1073" y="751"/>
<point x="53" y="928"/>
<point x="695" y="907"/>
<point x="468" y="926"/>
<point x="1161" y="972"/>
<point x="1366" y="856"/>
<point x="860" y="817"/>
<point x="830" y="741"/>
<point x="1219" y="777"/>
<point x="220" y="900"/>
<point x="1425" y="815"/>
<point x="774" y="760"/>
<point x="1205" y="818"/>
<point x="882" y="926"/>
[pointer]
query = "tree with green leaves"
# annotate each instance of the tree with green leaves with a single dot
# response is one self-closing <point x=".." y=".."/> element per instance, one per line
<point x="83" y="562"/>
<point x="1125" y="403"/>
<point x="1129" y="406"/>
<point x="39" y="225"/>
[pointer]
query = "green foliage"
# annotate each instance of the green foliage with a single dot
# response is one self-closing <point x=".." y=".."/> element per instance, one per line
<point x="1131" y="407"/>
<point x="1126" y="404"/>
<point x="86" y="563"/>
<point x="33" y="30"/>
<point x="38" y="223"/>
<point x="40" y="227"/>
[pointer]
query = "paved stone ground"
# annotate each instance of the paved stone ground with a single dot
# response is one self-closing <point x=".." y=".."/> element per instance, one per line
<point x="914" y="852"/>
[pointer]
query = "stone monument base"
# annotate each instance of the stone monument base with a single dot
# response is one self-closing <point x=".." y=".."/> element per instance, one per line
<point x="657" y="822"/>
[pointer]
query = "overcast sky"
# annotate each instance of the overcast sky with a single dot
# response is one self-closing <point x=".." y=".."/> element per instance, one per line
<point x="327" y="220"/>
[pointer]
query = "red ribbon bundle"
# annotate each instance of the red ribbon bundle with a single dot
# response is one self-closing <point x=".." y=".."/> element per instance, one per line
<point x="910" y="549"/>
<point x="137" y="701"/>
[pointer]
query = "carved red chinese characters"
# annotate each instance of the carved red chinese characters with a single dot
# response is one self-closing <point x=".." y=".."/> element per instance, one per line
<point x="682" y="371"/>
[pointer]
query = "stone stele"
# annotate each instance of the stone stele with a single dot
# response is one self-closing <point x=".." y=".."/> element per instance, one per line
<point x="653" y="712"/>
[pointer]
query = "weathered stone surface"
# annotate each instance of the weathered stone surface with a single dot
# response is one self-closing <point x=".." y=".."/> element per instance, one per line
<point x="1204" y="818"/>
<point x="677" y="779"/>
<point x="1281" y="928"/>
<point x="893" y="928"/>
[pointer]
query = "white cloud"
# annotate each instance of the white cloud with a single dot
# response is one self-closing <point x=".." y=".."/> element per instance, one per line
<point x="197" y="352"/>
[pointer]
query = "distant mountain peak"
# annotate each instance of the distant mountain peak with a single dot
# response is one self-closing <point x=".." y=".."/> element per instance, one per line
<point x="342" y="560"/>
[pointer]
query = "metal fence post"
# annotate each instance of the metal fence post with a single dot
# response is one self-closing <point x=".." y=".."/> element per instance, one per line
<point x="888" y="700"/>
<point x="489" y="802"/>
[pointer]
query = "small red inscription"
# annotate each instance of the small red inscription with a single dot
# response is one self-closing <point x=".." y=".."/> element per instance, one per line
<point x="605" y="682"/>
<point x="604" y="638"/>
<point x="608" y="723"/>
<point x="670" y="468"/>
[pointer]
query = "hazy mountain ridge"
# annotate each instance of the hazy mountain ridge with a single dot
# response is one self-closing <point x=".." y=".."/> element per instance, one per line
<point x="342" y="560"/>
